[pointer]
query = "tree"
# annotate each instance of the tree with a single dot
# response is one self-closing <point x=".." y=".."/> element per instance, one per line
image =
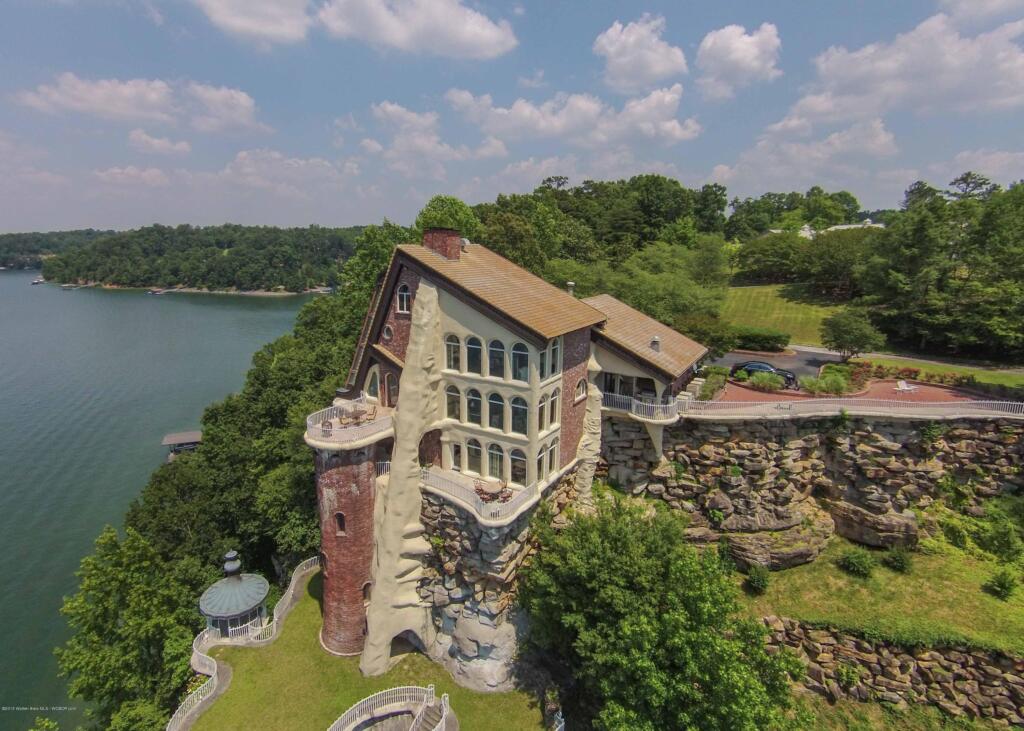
<point x="709" y="208"/>
<point x="642" y="632"/>
<point x="849" y="332"/>
<point x="971" y="185"/>
<point x="447" y="211"/>
<point x="138" y="716"/>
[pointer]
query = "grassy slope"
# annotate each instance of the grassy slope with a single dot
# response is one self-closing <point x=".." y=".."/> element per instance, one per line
<point x="854" y="716"/>
<point x="774" y="306"/>
<point x="984" y="375"/>
<point x="295" y="684"/>
<point x="941" y="594"/>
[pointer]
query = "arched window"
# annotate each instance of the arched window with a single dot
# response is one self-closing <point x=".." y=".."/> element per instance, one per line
<point x="451" y="352"/>
<point x="373" y="385"/>
<point x="456" y="457"/>
<point x="474" y="355"/>
<point x="556" y="353"/>
<point x="520" y="415"/>
<point x="496" y="359"/>
<point x="495" y="462"/>
<point x="540" y="463"/>
<point x="391" y="385"/>
<point x="517" y="465"/>
<point x="496" y="411"/>
<point x="367" y="588"/>
<point x="474" y="407"/>
<point x="520" y="363"/>
<point x="581" y="389"/>
<point x="404" y="298"/>
<point x="542" y="360"/>
<point x="474" y="456"/>
<point x="553" y="416"/>
<point x="542" y="413"/>
<point x="553" y="455"/>
<point x="454" y="403"/>
<point x="339" y="524"/>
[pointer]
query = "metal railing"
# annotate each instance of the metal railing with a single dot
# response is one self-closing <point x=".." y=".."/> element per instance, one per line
<point x="650" y="409"/>
<point x="488" y="511"/>
<point x="254" y="632"/>
<point x="852" y="406"/>
<point x="406" y="695"/>
<point x="321" y="426"/>
<point x="383" y="468"/>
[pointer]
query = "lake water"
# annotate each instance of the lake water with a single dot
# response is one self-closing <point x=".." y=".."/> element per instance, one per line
<point x="90" y="381"/>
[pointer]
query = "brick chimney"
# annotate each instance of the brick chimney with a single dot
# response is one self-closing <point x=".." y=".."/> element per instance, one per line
<point x="445" y="241"/>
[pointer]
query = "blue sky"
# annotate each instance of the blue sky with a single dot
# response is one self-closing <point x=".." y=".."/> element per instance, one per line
<point x="120" y="113"/>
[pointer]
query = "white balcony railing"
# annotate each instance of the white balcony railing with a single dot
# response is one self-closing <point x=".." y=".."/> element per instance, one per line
<point x="410" y="697"/>
<point x="648" y="409"/>
<point x="495" y="512"/>
<point x="326" y="425"/>
<point x="852" y="406"/>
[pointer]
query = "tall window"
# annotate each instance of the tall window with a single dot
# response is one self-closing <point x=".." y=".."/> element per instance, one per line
<point x="542" y="413"/>
<point x="520" y="363"/>
<point x="555" y="356"/>
<point x="581" y="389"/>
<point x="339" y="524"/>
<point x="474" y="355"/>
<point x="456" y="457"/>
<point x="543" y="364"/>
<point x="553" y="410"/>
<point x="474" y="407"/>
<point x="520" y="415"/>
<point x="391" y="384"/>
<point x="553" y="455"/>
<point x="496" y="412"/>
<point x="495" y="462"/>
<point x="454" y="403"/>
<point x="404" y="298"/>
<point x="540" y="463"/>
<point x="474" y="456"/>
<point x="496" y="359"/>
<point x="517" y="466"/>
<point x="451" y="350"/>
<point x="373" y="387"/>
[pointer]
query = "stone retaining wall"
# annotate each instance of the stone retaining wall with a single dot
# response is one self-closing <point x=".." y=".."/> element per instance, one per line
<point x="470" y="581"/>
<point x="776" y="489"/>
<point x="960" y="681"/>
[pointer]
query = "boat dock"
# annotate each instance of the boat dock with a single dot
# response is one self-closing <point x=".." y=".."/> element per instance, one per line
<point x="179" y="442"/>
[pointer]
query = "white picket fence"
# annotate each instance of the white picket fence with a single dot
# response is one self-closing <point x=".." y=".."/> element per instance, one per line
<point x="255" y="632"/>
<point x="406" y="697"/>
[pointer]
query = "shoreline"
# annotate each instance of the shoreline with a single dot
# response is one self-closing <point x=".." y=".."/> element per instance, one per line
<point x="196" y="290"/>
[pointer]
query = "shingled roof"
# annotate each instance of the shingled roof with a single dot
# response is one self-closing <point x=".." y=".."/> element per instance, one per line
<point x="633" y="331"/>
<point x="509" y="289"/>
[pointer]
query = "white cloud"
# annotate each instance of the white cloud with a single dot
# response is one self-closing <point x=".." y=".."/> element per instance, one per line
<point x="438" y="27"/>
<point x="135" y="99"/>
<point x="131" y="175"/>
<point x="416" y="149"/>
<point x="267" y="21"/>
<point x="835" y="160"/>
<point x="143" y="142"/>
<point x="730" y="58"/>
<point x="581" y="119"/>
<point x="930" y="68"/>
<point x="980" y="9"/>
<point x="288" y="177"/>
<point x="223" y="109"/>
<point x="636" y="57"/>
<point x="1000" y="165"/>
<point x="534" y="81"/>
<point x="371" y="145"/>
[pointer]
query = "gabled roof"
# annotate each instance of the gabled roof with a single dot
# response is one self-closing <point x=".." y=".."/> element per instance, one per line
<point x="632" y="331"/>
<point x="515" y="293"/>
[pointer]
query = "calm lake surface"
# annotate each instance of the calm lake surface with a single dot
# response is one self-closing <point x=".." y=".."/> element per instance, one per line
<point x="90" y="381"/>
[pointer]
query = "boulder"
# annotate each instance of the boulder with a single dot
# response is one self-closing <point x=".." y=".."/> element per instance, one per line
<point x="872" y="528"/>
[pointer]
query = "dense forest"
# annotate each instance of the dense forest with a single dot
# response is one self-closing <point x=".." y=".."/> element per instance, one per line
<point x="949" y="265"/>
<point x="27" y="250"/>
<point x="210" y="257"/>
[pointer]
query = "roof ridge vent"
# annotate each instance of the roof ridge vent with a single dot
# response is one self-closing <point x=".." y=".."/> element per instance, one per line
<point x="656" y="344"/>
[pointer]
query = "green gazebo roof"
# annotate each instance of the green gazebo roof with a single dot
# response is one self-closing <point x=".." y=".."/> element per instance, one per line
<point x="236" y="593"/>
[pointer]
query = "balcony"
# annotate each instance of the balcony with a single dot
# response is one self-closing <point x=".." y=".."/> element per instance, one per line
<point x="468" y="492"/>
<point x="349" y="424"/>
<point x="655" y="411"/>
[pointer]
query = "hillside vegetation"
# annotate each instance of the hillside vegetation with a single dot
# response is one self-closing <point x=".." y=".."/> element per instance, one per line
<point x="21" y="250"/>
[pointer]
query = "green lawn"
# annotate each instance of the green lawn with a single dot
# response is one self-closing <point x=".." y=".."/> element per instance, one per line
<point x="983" y="375"/>
<point x="941" y="595"/>
<point x="848" y="715"/>
<point x="778" y="306"/>
<point x="295" y="684"/>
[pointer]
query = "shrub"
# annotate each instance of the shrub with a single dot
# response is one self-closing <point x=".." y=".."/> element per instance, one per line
<point x="713" y="383"/>
<point x="1002" y="539"/>
<point x="767" y="381"/>
<point x="932" y="433"/>
<point x="955" y="534"/>
<point x="715" y="517"/>
<point x="847" y="675"/>
<point x="1002" y="584"/>
<point x="850" y="332"/>
<point x="857" y="562"/>
<point x="741" y="375"/>
<point x="899" y="559"/>
<point x="829" y="383"/>
<point x="757" y="579"/>
<point x="956" y="493"/>
<point x="760" y="338"/>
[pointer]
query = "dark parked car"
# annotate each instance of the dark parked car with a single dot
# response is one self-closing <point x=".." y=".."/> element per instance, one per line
<point x="759" y="366"/>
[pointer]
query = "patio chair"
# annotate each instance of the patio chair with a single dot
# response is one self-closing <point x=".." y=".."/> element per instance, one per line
<point x="904" y="387"/>
<point x="325" y="427"/>
<point x="371" y="414"/>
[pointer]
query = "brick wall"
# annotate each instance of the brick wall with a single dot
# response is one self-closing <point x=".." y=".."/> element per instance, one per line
<point x="576" y="353"/>
<point x="345" y="484"/>
<point x="399" y="322"/>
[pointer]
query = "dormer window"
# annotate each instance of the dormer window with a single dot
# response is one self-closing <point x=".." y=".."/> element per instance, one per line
<point x="403" y="301"/>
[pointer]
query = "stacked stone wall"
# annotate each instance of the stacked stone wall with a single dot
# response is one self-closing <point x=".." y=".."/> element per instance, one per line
<point x="961" y="681"/>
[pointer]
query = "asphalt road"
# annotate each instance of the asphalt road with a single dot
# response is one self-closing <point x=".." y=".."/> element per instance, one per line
<point x="803" y="363"/>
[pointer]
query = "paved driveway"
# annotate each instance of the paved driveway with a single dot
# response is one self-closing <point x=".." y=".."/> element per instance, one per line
<point x="804" y="363"/>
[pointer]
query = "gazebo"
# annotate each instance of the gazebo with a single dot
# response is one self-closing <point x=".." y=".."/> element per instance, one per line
<point x="236" y="600"/>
